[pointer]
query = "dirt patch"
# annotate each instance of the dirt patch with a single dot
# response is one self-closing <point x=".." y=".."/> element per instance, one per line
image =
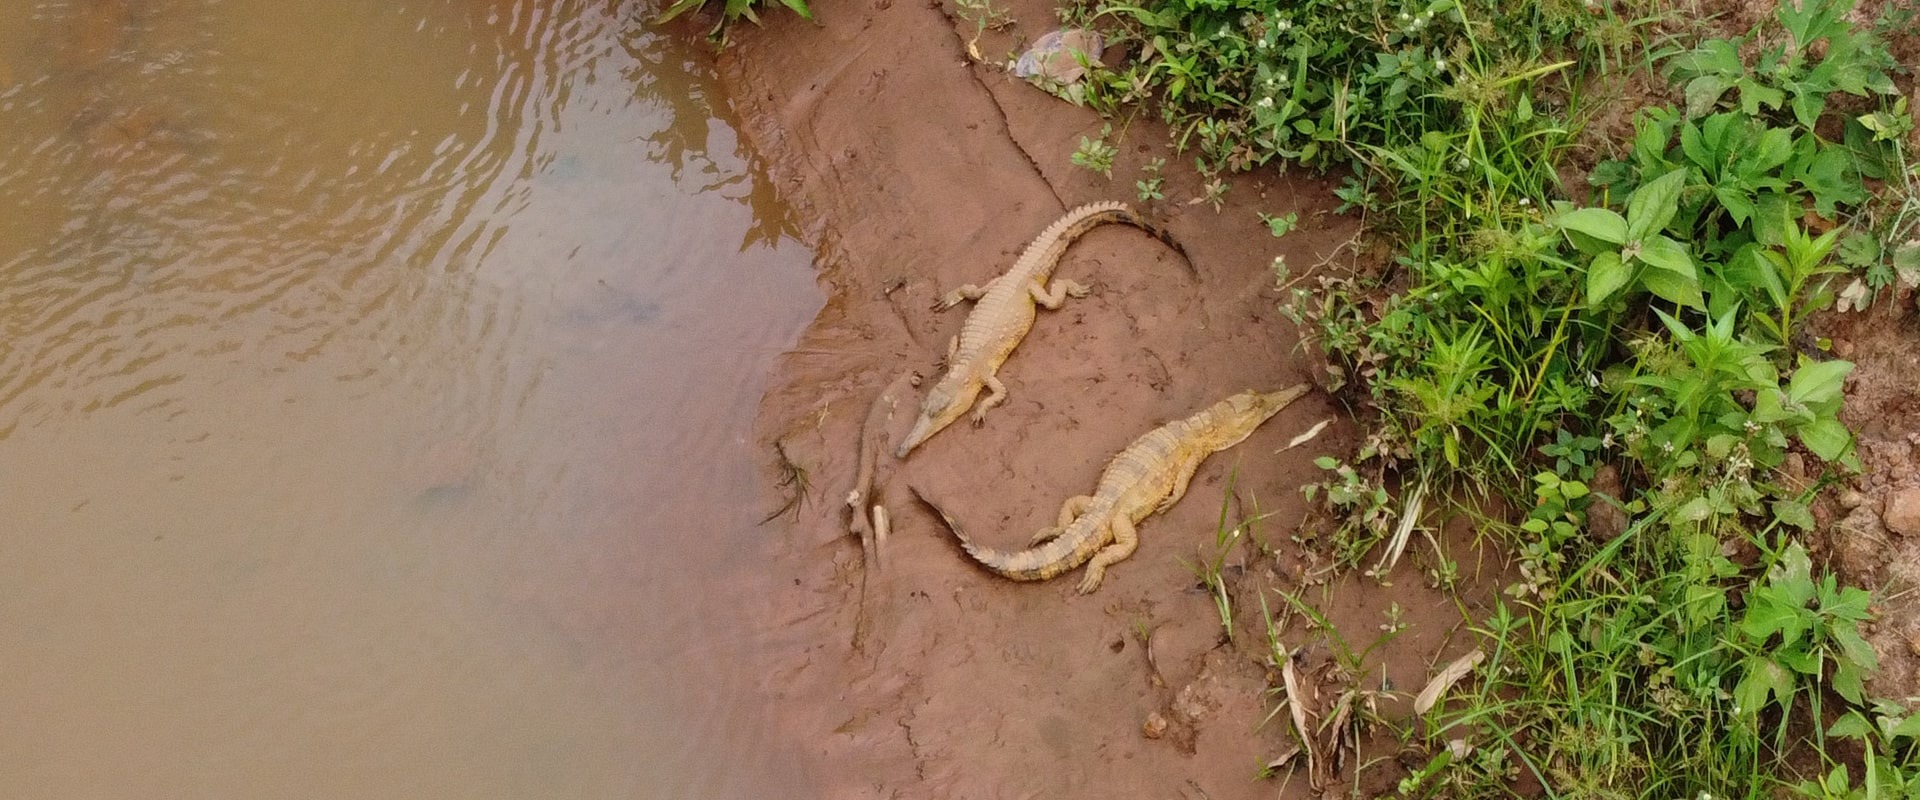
<point x="1874" y="536"/>
<point x="915" y="170"/>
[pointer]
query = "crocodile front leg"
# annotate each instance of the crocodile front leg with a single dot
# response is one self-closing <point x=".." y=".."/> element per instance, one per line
<point x="996" y="394"/>
<point x="1056" y="293"/>
<point x="1180" y="481"/>
<point x="1125" y="540"/>
<point x="966" y="292"/>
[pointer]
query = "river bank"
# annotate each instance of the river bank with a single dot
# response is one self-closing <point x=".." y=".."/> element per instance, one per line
<point x="915" y="169"/>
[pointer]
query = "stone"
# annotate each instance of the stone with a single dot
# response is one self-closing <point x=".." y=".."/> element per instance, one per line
<point x="1155" y="726"/>
<point x="1605" y="518"/>
<point x="1903" y="511"/>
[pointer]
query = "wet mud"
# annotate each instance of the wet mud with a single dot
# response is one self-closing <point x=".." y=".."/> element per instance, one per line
<point x="914" y="170"/>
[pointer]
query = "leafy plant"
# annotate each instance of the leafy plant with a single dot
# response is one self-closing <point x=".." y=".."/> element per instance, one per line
<point x="732" y="11"/>
<point x="1148" y="187"/>
<point x="1795" y="629"/>
<point x="1823" y="54"/>
<point x="1631" y="252"/>
<point x="1095" y="154"/>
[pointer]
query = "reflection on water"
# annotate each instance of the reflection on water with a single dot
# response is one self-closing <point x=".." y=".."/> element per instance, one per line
<point x="374" y="379"/>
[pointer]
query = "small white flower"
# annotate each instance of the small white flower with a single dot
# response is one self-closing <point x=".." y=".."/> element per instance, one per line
<point x="1285" y="25"/>
<point x="1526" y="201"/>
<point x="1224" y="30"/>
<point x="1265" y="102"/>
<point x="1260" y="44"/>
<point x="1440" y="65"/>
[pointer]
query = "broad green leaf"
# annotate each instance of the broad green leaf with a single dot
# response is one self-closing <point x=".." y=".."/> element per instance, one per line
<point x="1704" y="92"/>
<point x="1736" y="201"/>
<point x="1794" y="575"/>
<point x="1771" y="213"/>
<point x="1807" y="105"/>
<point x="1818" y="382"/>
<point x="1763" y="678"/>
<point x="1674" y="288"/>
<point x="1667" y="254"/>
<point x="1907" y="727"/>
<point x="1695" y="510"/>
<point x="1830" y="177"/>
<point x="1768" y="408"/>
<point x="1712" y="56"/>
<point x="1827" y="438"/>
<point x="1653" y="205"/>
<point x="1754" y="94"/>
<point x="1849" y="680"/>
<point x="1769" y="150"/>
<point x="1793" y="512"/>
<point x="1598" y="223"/>
<point x="1854" y="648"/>
<point x="1852" y="726"/>
<point x="1812" y="20"/>
<point x="1704" y="603"/>
<point x="1694" y="144"/>
<point x="1606" y="276"/>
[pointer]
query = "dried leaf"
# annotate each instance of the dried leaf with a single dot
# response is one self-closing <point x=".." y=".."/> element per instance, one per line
<point x="1308" y="436"/>
<point x="1852" y="298"/>
<point x="1297" y="707"/>
<point x="1449" y="676"/>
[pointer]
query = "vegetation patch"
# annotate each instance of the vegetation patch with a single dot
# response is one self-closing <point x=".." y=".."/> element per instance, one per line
<point x="1628" y="368"/>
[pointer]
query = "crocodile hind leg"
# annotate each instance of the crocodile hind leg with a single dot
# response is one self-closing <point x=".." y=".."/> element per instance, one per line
<point x="1069" y="511"/>
<point x="1056" y="293"/>
<point x="967" y="292"/>
<point x="1125" y="540"/>
<point x="996" y="394"/>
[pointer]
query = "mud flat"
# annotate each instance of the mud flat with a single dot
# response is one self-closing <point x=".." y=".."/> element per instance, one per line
<point x="914" y="170"/>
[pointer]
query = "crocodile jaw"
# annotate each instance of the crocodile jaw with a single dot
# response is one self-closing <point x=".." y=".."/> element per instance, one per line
<point x="1235" y="418"/>
<point x="945" y="402"/>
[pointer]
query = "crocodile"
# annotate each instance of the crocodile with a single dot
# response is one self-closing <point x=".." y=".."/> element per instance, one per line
<point x="1002" y="314"/>
<point x="1148" y="477"/>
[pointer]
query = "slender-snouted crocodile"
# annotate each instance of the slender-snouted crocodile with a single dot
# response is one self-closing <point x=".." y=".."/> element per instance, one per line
<point x="1002" y="315"/>
<point x="1146" y="478"/>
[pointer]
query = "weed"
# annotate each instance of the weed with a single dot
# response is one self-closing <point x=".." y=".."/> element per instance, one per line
<point x="1148" y="187"/>
<point x="731" y="11"/>
<point x="1653" y="330"/>
<point x="1095" y="154"/>
<point x="1280" y="225"/>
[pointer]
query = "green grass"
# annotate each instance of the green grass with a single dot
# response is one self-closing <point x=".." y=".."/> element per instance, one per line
<point x="1525" y="339"/>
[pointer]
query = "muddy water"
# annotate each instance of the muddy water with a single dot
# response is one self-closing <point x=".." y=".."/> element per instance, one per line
<point x="374" y="384"/>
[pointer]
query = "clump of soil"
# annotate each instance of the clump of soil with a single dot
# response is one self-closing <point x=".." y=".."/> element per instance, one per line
<point x="915" y="170"/>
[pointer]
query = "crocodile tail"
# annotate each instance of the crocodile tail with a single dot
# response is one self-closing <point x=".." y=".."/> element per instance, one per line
<point x="1032" y="564"/>
<point x="1085" y="218"/>
<point x="1138" y="220"/>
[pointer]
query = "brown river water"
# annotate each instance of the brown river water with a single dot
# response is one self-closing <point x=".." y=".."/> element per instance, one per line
<point x="375" y="388"/>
